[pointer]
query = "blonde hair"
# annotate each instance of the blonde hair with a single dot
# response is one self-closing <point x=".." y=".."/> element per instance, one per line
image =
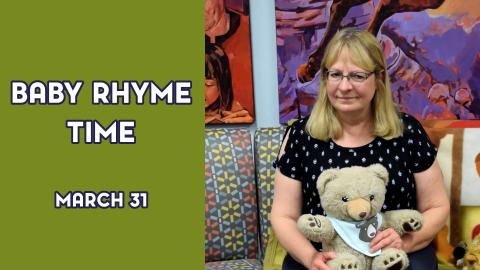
<point x="366" y="53"/>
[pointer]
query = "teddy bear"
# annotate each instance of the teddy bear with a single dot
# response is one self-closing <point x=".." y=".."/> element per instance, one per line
<point x="352" y="198"/>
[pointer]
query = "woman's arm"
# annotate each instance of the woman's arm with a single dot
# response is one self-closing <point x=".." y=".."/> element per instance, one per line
<point x="286" y="209"/>
<point x="433" y="203"/>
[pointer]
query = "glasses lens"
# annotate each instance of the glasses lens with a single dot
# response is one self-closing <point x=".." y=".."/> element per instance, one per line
<point x="358" y="76"/>
<point x="334" y="76"/>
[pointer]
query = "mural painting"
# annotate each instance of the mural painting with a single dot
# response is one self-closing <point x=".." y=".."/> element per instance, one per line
<point x="432" y="49"/>
<point x="228" y="63"/>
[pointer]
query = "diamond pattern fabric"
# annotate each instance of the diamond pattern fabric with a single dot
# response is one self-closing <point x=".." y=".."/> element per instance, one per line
<point x="231" y="220"/>
<point x="244" y="264"/>
<point x="267" y="146"/>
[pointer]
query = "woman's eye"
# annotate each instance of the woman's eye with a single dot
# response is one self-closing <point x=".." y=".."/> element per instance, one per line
<point x="335" y="75"/>
<point x="345" y="198"/>
<point x="358" y="76"/>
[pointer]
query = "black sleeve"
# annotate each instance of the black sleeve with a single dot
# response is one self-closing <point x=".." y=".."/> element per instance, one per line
<point x="421" y="150"/>
<point x="290" y="163"/>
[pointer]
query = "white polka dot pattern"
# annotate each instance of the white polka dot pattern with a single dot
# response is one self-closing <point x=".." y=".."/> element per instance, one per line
<point x="306" y="158"/>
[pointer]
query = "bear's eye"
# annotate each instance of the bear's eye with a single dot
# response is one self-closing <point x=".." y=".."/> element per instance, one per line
<point x="345" y="198"/>
<point x="372" y="197"/>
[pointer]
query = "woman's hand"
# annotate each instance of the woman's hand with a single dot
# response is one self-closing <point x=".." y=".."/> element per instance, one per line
<point x="242" y="116"/>
<point x="319" y="260"/>
<point x="388" y="238"/>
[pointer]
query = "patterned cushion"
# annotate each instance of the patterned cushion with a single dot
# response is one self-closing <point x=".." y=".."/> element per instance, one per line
<point x="230" y="196"/>
<point x="459" y="159"/>
<point x="267" y="146"/>
<point x="243" y="264"/>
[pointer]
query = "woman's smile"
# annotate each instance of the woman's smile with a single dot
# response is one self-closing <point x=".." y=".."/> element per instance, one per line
<point x="346" y="98"/>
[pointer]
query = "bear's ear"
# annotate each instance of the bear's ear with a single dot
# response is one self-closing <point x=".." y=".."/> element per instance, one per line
<point x="379" y="171"/>
<point x="324" y="178"/>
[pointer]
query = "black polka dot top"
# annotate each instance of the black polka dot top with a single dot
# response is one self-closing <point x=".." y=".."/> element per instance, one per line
<point x="305" y="158"/>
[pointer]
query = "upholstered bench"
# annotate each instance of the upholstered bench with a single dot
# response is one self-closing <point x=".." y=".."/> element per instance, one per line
<point x="239" y="193"/>
<point x="236" y="226"/>
<point x="231" y="210"/>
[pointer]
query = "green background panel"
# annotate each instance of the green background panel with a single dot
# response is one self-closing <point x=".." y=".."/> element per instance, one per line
<point x="101" y="40"/>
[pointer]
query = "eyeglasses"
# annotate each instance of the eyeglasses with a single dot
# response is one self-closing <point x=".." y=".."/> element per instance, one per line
<point x="356" y="76"/>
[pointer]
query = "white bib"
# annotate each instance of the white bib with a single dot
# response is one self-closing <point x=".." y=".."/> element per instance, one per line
<point x="358" y="234"/>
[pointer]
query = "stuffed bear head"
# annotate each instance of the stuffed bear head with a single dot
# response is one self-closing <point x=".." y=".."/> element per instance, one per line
<point x="354" y="193"/>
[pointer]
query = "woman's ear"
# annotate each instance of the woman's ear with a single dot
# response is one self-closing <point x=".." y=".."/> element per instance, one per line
<point x="382" y="75"/>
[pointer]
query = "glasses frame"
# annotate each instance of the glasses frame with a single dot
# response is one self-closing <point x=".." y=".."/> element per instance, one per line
<point x="348" y="76"/>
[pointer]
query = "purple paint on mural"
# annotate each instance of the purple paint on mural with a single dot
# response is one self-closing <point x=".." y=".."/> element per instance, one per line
<point x="432" y="54"/>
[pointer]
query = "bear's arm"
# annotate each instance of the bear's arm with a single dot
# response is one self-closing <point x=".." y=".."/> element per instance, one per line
<point x="402" y="221"/>
<point x="316" y="228"/>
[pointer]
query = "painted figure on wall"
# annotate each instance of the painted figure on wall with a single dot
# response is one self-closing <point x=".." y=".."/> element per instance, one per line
<point x="227" y="31"/>
<point x="431" y="47"/>
<point x="220" y="106"/>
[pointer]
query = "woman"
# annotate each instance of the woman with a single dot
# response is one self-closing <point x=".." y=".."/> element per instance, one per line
<point x="355" y="122"/>
<point x="220" y="107"/>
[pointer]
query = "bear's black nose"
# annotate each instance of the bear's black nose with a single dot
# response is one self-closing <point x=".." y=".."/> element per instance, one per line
<point x="362" y="214"/>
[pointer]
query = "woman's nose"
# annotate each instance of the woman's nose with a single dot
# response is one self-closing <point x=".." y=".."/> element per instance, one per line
<point x="344" y="84"/>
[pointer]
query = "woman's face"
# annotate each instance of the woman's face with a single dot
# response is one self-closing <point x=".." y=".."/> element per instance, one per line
<point x="349" y="95"/>
<point x="211" y="92"/>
